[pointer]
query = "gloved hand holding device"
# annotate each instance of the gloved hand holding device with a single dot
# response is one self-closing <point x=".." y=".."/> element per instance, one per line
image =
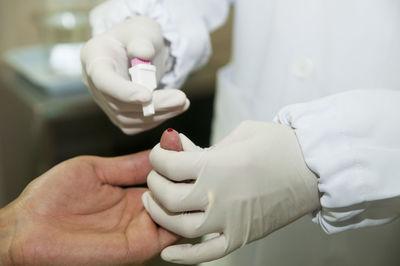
<point x="252" y="183"/>
<point x="106" y="60"/>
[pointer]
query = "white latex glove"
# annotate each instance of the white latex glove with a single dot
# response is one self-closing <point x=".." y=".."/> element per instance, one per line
<point x="105" y="60"/>
<point x="252" y="183"/>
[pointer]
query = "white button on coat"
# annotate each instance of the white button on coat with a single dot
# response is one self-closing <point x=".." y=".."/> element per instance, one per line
<point x="303" y="68"/>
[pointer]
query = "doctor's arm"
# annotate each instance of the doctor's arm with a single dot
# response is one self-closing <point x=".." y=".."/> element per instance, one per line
<point x="351" y="141"/>
<point x="172" y="34"/>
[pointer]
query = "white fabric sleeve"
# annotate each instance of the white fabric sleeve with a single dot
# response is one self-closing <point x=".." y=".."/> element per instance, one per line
<point x="352" y="142"/>
<point x="185" y="25"/>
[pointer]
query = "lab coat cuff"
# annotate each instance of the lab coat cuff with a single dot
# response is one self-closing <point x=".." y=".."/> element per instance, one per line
<point x="350" y="140"/>
<point x="190" y="46"/>
<point x="332" y="220"/>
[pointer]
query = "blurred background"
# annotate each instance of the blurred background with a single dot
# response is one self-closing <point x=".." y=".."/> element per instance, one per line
<point x="46" y="113"/>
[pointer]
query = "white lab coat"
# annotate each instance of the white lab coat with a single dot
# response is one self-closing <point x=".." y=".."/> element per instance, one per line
<point x="288" y="55"/>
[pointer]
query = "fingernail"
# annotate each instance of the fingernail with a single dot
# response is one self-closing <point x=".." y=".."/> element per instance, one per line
<point x="170" y="130"/>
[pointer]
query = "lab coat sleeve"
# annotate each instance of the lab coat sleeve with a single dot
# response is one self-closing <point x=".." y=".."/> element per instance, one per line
<point x="352" y="142"/>
<point x="185" y="24"/>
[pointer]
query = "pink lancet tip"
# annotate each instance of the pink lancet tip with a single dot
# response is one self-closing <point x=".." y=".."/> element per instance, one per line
<point x="137" y="61"/>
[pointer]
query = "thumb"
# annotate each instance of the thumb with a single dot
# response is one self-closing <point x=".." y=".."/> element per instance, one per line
<point x="141" y="35"/>
<point x="125" y="170"/>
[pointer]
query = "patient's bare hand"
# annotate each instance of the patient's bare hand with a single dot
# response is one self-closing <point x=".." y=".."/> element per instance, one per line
<point x="83" y="212"/>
